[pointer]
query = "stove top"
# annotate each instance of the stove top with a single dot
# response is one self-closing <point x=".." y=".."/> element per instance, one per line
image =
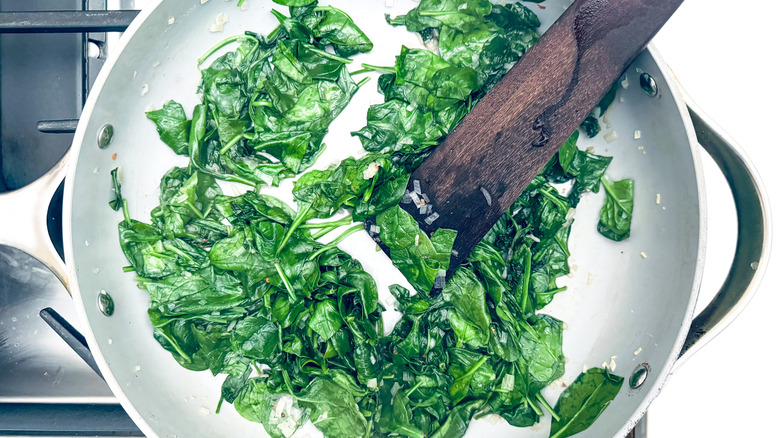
<point x="46" y="389"/>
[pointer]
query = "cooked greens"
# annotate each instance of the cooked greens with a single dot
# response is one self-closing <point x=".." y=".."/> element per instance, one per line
<point x="615" y="218"/>
<point x="583" y="401"/>
<point x="243" y="285"/>
<point x="267" y="104"/>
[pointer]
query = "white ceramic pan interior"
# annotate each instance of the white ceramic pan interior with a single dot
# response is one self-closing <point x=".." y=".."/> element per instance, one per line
<point x="627" y="302"/>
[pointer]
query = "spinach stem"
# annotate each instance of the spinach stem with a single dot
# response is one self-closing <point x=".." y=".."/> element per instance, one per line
<point x="175" y="345"/>
<point x="547" y="406"/>
<point x="219" y="404"/>
<point x="414" y="388"/>
<point x="473" y="369"/>
<point x="533" y="406"/>
<point x="555" y="200"/>
<point x="526" y="279"/>
<point x="299" y="218"/>
<point x="370" y="191"/>
<point x="286" y="378"/>
<point x="286" y="282"/>
<point x="257" y="369"/>
<point x="563" y="246"/>
<point x="337" y="240"/>
<point x="194" y="209"/>
<point x="126" y="211"/>
<point x="230" y="144"/>
<point x="397" y="21"/>
<point x="128" y="269"/>
<point x="369" y="67"/>
<point x="321" y="225"/>
<point x="363" y="81"/>
<point x="527" y="327"/>
<point x="360" y="72"/>
<point x="552" y="292"/>
<point x="325" y="231"/>
<point x="170" y="247"/>
<point x="224" y="43"/>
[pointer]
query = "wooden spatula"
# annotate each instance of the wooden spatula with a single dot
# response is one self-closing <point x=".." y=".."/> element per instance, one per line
<point x="505" y="141"/>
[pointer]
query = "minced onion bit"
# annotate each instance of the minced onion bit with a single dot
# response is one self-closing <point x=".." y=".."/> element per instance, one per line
<point x="432" y="218"/>
<point x="486" y="194"/>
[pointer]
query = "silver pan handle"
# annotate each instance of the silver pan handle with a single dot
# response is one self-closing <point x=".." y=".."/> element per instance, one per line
<point x="23" y="221"/>
<point x="754" y="233"/>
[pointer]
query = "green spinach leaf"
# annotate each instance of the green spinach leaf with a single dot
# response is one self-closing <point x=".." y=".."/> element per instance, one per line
<point x="615" y="217"/>
<point x="584" y="401"/>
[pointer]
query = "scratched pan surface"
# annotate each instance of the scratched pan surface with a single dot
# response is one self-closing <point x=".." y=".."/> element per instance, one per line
<point x="619" y="303"/>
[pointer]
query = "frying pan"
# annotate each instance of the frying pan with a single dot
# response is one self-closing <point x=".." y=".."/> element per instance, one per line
<point x="630" y="302"/>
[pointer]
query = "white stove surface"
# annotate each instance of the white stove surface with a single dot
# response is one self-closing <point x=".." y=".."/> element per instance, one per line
<point x="725" y="55"/>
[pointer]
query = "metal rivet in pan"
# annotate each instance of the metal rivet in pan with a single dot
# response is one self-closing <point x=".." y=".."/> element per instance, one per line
<point x="105" y="135"/>
<point x="648" y="84"/>
<point x="639" y="376"/>
<point x="105" y="303"/>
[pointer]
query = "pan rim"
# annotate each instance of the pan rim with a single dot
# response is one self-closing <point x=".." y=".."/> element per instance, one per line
<point x="70" y="263"/>
<point x="80" y="135"/>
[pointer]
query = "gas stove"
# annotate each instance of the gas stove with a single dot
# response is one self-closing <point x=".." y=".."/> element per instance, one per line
<point x="48" y="62"/>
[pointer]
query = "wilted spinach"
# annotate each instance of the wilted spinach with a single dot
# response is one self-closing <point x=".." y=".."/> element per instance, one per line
<point x="615" y="218"/>
<point x="242" y="284"/>
<point x="583" y="401"/>
<point x="266" y="106"/>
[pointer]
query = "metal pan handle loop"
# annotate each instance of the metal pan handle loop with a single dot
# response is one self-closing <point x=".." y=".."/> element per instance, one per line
<point x="23" y="221"/>
<point x="754" y="234"/>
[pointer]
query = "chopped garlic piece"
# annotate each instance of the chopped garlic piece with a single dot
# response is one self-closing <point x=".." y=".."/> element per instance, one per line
<point x="638" y="350"/>
<point x="171" y="20"/>
<point x="144" y="89"/>
<point x="658" y="198"/>
<point x="612" y="364"/>
<point x="371" y="170"/>
<point x="637" y="134"/>
<point x="219" y="22"/>
<point x="610" y="136"/>
<point x="589" y="281"/>
<point x="624" y="82"/>
<point x="644" y="256"/>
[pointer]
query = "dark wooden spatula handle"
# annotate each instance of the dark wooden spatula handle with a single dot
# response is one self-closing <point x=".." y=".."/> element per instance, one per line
<point x="506" y="140"/>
